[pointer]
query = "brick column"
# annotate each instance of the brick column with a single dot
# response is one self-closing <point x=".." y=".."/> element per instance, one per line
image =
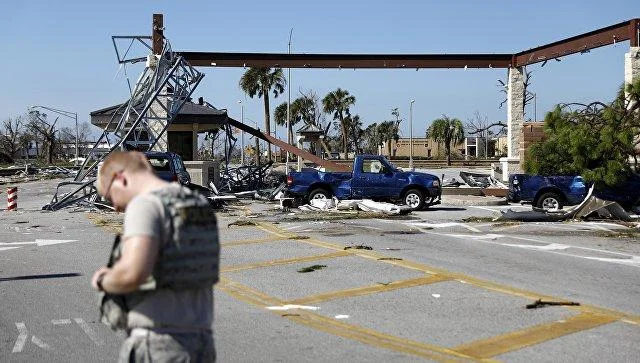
<point x="632" y="65"/>
<point x="299" y="144"/>
<point x="515" y="119"/>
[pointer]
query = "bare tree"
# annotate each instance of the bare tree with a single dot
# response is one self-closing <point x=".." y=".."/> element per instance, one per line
<point x="528" y="96"/>
<point x="11" y="137"/>
<point x="39" y="125"/>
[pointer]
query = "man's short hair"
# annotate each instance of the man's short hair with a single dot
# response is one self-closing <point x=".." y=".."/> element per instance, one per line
<point x="118" y="161"/>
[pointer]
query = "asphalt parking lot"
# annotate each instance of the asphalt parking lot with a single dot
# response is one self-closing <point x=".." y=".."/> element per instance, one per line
<point x="445" y="284"/>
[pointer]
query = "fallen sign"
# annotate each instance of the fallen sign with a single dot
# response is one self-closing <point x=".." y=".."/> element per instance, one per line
<point x="590" y="206"/>
<point x="366" y="205"/>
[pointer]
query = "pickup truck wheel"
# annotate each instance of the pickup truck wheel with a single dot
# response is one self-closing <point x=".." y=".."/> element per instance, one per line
<point x="414" y="199"/>
<point x="550" y="201"/>
<point x="319" y="193"/>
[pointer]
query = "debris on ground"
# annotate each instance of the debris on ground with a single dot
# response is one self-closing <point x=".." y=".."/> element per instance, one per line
<point x="366" y="205"/>
<point x="481" y="180"/>
<point x="292" y="307"/>
<point x="489" y="185"/>
<point x="542" y="303"/>
<point x="477" y="219"/>
<point x="28" y="172"/>
<point x="241" y="223"/>
<point x="110" y="222"/>
<point x="311" y="268"/>
<point x="358" y="247"/>
<point x="590" y="207"/>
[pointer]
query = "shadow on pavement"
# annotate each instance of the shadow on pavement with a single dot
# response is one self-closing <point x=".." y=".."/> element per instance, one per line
<point x="37" y="277"/>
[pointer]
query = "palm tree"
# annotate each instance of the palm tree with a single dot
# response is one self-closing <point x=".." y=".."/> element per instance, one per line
<point x="260" y="81"/>
<point x="447" y="131"/>
<point x="280" y="117"/>
<point x="388" y="131"/>
<point x="338" y="103"/>
<point x="354" y="125"/>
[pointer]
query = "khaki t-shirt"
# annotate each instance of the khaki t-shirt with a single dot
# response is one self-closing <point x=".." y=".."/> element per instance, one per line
<point x="162" y="308"/>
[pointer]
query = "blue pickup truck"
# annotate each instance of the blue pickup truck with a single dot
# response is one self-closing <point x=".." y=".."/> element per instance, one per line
<point x="546" y="192"/>
<point x="372" y="177"/>
<point x="554" y="192"/>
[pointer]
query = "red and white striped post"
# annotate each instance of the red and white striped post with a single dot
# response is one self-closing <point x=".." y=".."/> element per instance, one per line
<point x="12" y="198"/>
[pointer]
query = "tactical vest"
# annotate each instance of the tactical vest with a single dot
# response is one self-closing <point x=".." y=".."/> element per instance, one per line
<point x="190" y="258"/>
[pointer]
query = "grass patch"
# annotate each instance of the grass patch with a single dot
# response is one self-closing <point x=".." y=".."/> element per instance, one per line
<point x="506" y="224"/>
<point x="300" y="237"/>
<point x="114" y="225"/>
<point x="241" y="223"/>
<point x="311" y="268"/>
<point x="620" y="234"/>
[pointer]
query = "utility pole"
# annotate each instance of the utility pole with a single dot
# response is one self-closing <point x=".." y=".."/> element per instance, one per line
<point x="241" y="133"/>
<point x="411" y="134"/>
<point x="286" y="163"/>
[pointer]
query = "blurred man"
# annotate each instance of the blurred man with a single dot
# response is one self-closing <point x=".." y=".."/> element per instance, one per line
<point x="158" y="286"/>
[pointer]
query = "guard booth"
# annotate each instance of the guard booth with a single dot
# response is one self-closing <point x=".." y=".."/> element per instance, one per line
<point x="181" y="137"/>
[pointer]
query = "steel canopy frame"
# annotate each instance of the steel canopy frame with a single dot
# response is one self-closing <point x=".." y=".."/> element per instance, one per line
<point x="627" y="30"/>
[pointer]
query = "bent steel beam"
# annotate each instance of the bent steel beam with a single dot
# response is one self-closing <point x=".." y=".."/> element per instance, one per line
<point x="624" y="31"/>
<point x="383" y="61"/>
<point x="580" y="43"/>
<point x="290" y="148"/>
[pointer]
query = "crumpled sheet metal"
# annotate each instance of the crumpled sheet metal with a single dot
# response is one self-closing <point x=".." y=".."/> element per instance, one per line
<point x="366" y="205"/>
<point x="590" y="206"/>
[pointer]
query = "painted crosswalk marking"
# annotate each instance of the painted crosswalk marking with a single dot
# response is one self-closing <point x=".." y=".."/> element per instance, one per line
<point x="22" y="338"/>
<point x="61" y="321"/>
<point x="90" y="332"/>
<point x="23" y="334"/>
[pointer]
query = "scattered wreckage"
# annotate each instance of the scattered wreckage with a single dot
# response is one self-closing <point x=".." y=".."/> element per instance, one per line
<point x="28" y="172"/>
<point x="590" y="207"/>
<point x="487" y="184"/>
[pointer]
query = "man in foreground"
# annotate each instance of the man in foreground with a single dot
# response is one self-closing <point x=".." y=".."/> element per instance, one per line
<point x="161" y="277"/>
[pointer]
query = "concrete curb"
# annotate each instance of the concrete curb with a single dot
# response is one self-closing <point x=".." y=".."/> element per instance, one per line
<point x="468" y="200"/>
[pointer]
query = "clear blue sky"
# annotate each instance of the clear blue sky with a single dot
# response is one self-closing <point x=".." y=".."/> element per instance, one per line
<point x="59" y="53"/>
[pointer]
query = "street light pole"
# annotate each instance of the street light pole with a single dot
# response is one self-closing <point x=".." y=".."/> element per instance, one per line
<point x="411" y="134"/>
<point x="241" y="133"/>
<point x="69" y="114"/>
<point x="535" y="107"/>
<point x="286" y="163"/>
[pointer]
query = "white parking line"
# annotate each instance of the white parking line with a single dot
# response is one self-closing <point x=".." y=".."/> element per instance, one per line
<point x="598" y="226"/>
<point x="37" y="341"/>
<point x="545" y="246"/>
<point x="90" y="332"/>
<point x="443" y="225"/>
<point x="7" y="248"/>
<point x="61" y="321"/>
<point x="22" y="338"/>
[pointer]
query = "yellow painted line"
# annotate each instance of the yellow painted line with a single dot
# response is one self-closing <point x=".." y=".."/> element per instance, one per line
<point x="488" y="285"/>
<point x="287" y="261"/>
<point x="339" y="328"/>
<point x="365" y="290"/>
<point x="252" y="241"/>
<point x="501" y="344"/>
